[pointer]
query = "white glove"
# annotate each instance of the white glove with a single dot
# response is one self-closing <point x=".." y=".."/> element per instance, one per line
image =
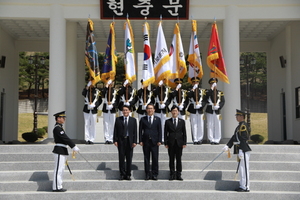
<point x="180" y="107"/>
<point x="109" y="107"/>
<point x="216" y="107"/>
<point x="241" y="154"/>
<point x="76" y="149"/>
<point x="109" y="82"/>
<point x="198" y="106"/>
<point x="195" y="86"/>
<point x="89" y="83"/>
<point x="225" y="148"/>
<point x="162" y="106"/>
<point x="91" y="106"/>
<point x="125" y="83"/>
<point x="144" y="107"/>
<point x="213" y="85"/>
<point x="126" y="103"/>
<point x="160" y="83"/>
<point x="178" y="86"/>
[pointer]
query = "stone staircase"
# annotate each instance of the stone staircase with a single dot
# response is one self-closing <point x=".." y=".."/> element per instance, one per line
<point x="26" y="173"/>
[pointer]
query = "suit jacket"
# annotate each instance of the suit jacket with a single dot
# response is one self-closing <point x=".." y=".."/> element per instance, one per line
<point x="147" y="130"/>
<point x="113" y="99"/>
<point x="240" y="138"/>
<point x="201" y="99"/>
<point x="173" y="134"/>
<point x="139" y="96"/>
<point x="210" y="98"/>
<point x="119" y="130"/>
<point x="94" y="91"/>
<point x="131" y="97"/>
<point x="61" y="137"/>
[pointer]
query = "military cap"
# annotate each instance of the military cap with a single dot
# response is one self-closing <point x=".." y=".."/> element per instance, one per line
<point x="178" y="80"/>
<point x="60" y="114"/>
<point x="195" y="79"/>
<point x="239" y="112"/>
<point x="213" y="80"/>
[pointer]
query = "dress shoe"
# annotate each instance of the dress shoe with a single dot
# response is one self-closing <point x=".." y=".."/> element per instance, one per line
<point x="60" y="190"/>
<point x="172" y="178"/>
<point x="216" y="143"/>
<point x="195" y="143"/>
<point x="110" y="142"/>
<point x="212" y="143"/>
<point x="179" y="178"/>
<point x="121" y="178"/>
<point x="242" y="190"/>
<point x="90" y="142"/>
<point x="147" y="178"/>
<point x="128" y="178"/>
<point x="154" y="178"/>
<point x="200" y="142"/>
<point x="106" y="142"/>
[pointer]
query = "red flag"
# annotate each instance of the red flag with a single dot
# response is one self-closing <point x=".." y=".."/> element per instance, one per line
<point x="215" y="59"/>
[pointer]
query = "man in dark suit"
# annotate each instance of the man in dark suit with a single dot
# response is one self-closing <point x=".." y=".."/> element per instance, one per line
<point x="175" y="141"/>
<point x="125" y="138"/>
<point x="150" y="135"/>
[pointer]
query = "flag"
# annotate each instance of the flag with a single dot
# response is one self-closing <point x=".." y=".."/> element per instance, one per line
<point x="194" y="59"/>
<point x="177" y="59"/>
<point x="162" y="58"/>
<point x="148" y="70"/>
<point x="129" y="53"/>
<point x="110" y="59"/>
<point x="91" y="54"/>
<point x="215" y="59"/>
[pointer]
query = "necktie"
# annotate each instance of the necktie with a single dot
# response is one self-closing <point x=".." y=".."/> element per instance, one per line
<point x="125" y="127"/>
<point x="174" y="122"/>
<point x="149" y="119"/>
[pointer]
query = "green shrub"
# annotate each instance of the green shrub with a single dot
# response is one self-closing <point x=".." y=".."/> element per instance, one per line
<point x="46" y="128"/>
<point x="40" y="132"/>
<point x="257" y="138"/>
<point x="30" y="136"/>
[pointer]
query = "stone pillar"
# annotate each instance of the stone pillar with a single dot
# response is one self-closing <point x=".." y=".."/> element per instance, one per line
<point x="57" y="69"/>
<point x="72" y="91"/>
<point x="231" y="51"/>
<point x="289" y="89"/>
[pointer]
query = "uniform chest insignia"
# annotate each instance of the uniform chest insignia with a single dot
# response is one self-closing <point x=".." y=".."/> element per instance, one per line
<point x="62" y="132"/>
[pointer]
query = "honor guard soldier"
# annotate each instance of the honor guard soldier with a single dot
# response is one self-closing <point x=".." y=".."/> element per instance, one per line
<point x="92" y="98"/>
<point x="126" y="96"/>
<point x="178" y="98"/>
<point x="162" y="101"/>
<point x="241" y="148"/>
<point x="215" y="101"/>
<point x="143" y="98"/>
<point x="110" y="102"/>
<point x="60" y="151"/>
<point x="197" y="102"/>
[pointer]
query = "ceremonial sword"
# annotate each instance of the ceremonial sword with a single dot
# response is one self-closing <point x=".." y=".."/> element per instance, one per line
<point x="212" y="161"/>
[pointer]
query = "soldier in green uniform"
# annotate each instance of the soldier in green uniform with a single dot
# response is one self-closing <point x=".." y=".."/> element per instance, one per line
<point x="241" y="148"/>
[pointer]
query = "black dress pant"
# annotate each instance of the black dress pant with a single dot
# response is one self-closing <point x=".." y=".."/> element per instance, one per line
<point x="175" y="151"/>
<point x="125" y="152"/>
<point x="151" y="149"/>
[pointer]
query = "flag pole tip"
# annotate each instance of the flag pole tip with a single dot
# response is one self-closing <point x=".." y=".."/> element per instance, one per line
<point x="145" y="18"/>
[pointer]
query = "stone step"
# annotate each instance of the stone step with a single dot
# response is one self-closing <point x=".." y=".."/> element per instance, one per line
<point x="97" y="148"/>
<point x="163" y="165"/>
<point x="81" y="185"/>
<point x="151" y="194"/>
<point x="12" y="176"/>
<point x="187" y="156"/>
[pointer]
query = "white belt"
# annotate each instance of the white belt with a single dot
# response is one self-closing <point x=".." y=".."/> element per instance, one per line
<point x="61" y="145"/>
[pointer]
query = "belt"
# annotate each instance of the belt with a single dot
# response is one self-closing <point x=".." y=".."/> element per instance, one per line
<point x="61" y="145"/>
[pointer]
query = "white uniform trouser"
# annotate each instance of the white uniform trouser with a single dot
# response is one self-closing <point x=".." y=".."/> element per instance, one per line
<point x="90" y="121"/>
<point x="59" y="167"/>
<point x="181" y="116"/>
<point x="108" y="124"/>
<point x="244" y="171"/>
<point x="162" y="117"/>
<point x="213" y="127"/>
<point x="197" y="127"/>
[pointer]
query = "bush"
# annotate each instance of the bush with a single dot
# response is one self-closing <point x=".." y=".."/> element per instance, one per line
<point x="30" y="136"/>
<point x="40" y="132"/>
<point x="46" y="128"/>
<point x="257" y="138"/>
